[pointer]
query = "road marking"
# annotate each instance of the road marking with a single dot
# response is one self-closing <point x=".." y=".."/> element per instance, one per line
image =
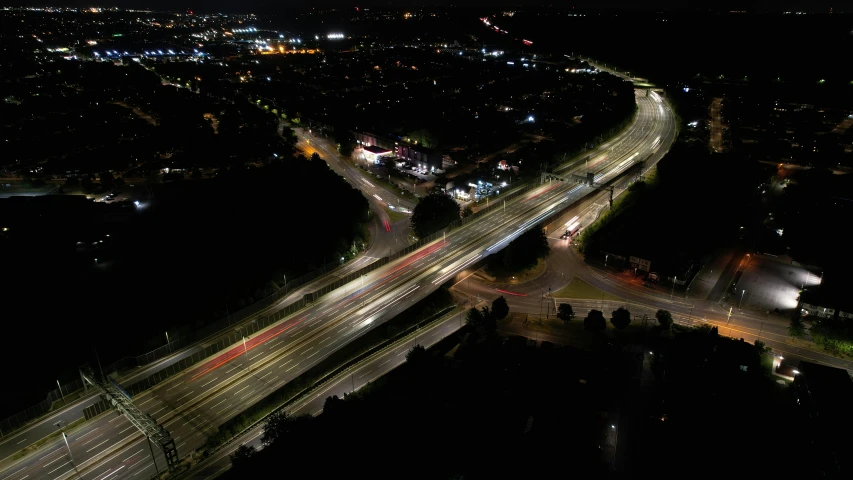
<point x="45" y="466"/>
<point x="57" y="468"/>
<point x="135" y="454"/>
<point x="294" y="366"/>
<point x="146" y="401"/>
<point x="160" y="410"/>
<point x="264" y="375"/>
<point x="87" y="433"/>
<point x="142" y="470"/>
<point x="98" y="445"/>
<point x="174" y="386"/>
<point x="363" y="374"/>
<point x="116" y="418"/>
<point x="126" y="429"/>
<point x="285" y="363"/>
<point x="307" y="350"/>
<point x="185" y="396"/>
<point x="92" y="439"/>
<point x="220" y="402"/>
<point x="324" y="340"/>
<point x="238" y="391"/>
<point x="386" y="361"/>
<point x="208" y="383"/>
<point x="22" y="441"/>
<point x="229" y="371"/>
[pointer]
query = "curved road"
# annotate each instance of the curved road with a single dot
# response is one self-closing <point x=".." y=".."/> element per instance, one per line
<point x="191" y="405"/>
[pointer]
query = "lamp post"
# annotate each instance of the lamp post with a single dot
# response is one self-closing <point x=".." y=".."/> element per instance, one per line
<point x="673" y="288"/>
<point x="64" y="437"/>
<point x="740" y="304"/>
<point x="168" y="343"/>
<point x="60" y="392"/>
<point x="245" y="349"/>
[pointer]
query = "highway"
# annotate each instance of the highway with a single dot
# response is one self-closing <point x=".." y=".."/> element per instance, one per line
<point x="191" y="405"/>
<point x="386" y="237"/>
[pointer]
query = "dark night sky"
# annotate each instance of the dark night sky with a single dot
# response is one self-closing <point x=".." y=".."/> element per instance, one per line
<point x="265" y="5"/>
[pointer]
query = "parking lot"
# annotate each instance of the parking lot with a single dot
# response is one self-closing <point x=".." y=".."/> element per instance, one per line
<point x="770" y="282"/>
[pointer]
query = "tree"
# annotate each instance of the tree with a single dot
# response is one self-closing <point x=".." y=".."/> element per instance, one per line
<point x="664" y="319"/>
<point x="483" y="322"/>
<point x="275" y="427"/>
<point x="500" y="309"/>
<point x="594" y="321"/>
<point x="621" y="318"/>
<point x="333" y="406"/>
<point x="565" y="312"/>
<point x="417" y="355"/>
<point x="796" y="329"/>
<point x="107" y="180"/>
<point x="242" y="455"/>
<point x="474" y="317"/>
<point x="315" y="156"/>
<point x="526" y="250"/>
<point x="432" y="213"/>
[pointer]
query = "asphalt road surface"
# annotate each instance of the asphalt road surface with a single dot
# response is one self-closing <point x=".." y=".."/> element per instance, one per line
<point x="191" y="405"/>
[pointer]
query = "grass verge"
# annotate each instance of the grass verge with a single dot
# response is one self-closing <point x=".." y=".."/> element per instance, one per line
<point x="577" y="288"/>
<point x="394" y="215"/>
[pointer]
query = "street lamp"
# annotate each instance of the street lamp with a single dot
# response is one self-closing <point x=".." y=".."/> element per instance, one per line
<point x="64" y="437"/>
<point x="168" y="343"/>
<point x="674" y="279"/>
<point x="245" y="349"/>
<point x="741" y="298"/>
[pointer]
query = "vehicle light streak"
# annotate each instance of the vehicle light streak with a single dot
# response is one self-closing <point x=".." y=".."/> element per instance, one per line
<point x="453" y="271"/>
<point x="511" y="293"/>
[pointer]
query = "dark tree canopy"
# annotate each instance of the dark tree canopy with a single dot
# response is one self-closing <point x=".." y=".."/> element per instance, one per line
<point x="432" y="213"/>
<point x="417" y="355"/>
<point x="664" y="319"/>
<point x="621" y="318"/>
<point x="483" y="322"/>
<point x="565" y="312"/>
<point x="500" y="309"/>
<point x="594" y="321"/>
<point x="241" y="457"/>
<point x="526" y="250"/>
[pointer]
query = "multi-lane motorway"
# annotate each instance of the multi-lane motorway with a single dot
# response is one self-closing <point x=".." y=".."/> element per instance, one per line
<point x="193" y="404"/>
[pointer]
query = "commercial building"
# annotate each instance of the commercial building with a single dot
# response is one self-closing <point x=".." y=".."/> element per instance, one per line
<point x="372" y="153"/>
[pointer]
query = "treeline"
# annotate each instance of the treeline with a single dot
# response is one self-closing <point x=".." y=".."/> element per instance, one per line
<point x="698" y="202"/>
<point x="195" y="252"/>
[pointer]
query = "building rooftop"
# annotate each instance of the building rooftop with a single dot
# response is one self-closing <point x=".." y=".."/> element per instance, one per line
<point x="376" y="150"/>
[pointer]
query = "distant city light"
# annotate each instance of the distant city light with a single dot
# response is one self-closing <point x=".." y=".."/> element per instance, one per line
<point x="686" y="89"/>
<point x="335" y="36"/>
<point x="530" y="119"/>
